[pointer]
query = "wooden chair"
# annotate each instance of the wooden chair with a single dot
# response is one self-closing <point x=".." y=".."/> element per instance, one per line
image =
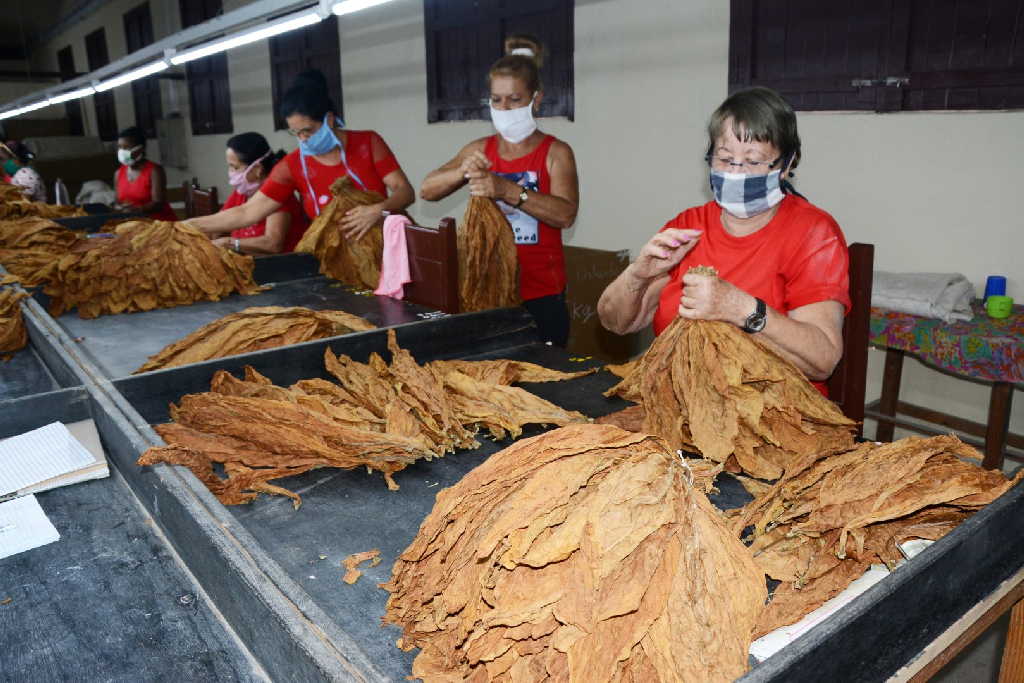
<point x="199" y="202"/>
<point x="433" y="266"/>
<point x="848" y="383"/>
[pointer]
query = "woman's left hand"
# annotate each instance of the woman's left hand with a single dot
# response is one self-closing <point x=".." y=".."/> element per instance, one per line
<point x="357" y="221"/>
<point x="707" y="297"/>
<point x="486" y="184"/>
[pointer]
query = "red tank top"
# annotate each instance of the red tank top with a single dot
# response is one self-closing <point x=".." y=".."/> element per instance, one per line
<point x="538" y="245"/>
<point x="139" y="192"/>
<point x="295" y="230"/>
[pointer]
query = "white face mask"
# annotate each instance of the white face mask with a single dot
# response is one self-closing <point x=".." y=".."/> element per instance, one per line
<point x="515" y="125"/>
<point x="125" y="155"/>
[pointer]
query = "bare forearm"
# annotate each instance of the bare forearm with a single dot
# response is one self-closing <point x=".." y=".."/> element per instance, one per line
<point x="625" y="305"/>
<point x="547" y="208"/>
<point x="804" y="345"/>
<point x="398" y="200"/>
<point x="441" y="183"/>
<point x="264" y="244"/>
<point x="226" y="221"/>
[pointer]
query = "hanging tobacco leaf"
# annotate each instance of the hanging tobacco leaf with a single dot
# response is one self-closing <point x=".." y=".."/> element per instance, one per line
<point x="488" y="264"/>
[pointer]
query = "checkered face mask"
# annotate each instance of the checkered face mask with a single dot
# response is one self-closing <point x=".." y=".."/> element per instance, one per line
<point x="745" y="195"/>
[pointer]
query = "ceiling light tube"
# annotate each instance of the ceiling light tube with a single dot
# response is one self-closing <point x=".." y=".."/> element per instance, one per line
<point x="276" y="28"/>
<point x="73" y="95"/>
<point x="350" y="6"/>
<point x="132" y="75"/>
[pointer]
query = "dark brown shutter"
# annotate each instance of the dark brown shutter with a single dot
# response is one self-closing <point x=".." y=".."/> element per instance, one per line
<point x="73" y="109"/>
<point x="138" y="32"/>
<point x="208" y="86"/>
<point x="106" y="113"/>
<point x="314" y="47"/>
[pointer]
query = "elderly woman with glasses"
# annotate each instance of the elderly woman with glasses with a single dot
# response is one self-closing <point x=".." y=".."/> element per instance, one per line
<point x="327" y="151"/>
<point x="782" y="262"/>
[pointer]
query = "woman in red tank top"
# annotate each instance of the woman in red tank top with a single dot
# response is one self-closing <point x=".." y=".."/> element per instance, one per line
<point x="327" y="151"/>
<point x="250" y="160"/>
<point x="141" y="184"/>
<point x="531" y="175"/>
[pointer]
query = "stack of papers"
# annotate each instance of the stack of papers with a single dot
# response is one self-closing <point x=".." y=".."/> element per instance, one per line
<point x="23" y="526"/>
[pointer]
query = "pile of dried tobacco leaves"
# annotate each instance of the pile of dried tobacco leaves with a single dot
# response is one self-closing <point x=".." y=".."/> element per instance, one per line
<point x="31" y="247"/>
<point x="708" y="387"/>
<point x="379" y="415"/>
<point x="146" y="265"/>
<point x="488" y="265"/>
<point x="13" y="336"/>
<point x="584" y="554"/>
<point x="13" y="204"/>
<point x="254" y="329"/>
<point x="354" y="262"/>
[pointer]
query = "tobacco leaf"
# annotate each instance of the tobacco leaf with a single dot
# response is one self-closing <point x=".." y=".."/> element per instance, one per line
<point x="31" y="248"/>
<point x="707" y="386"/>
<point x="631" y="419"/>
<point x="146" y="265"/>
<point x="505" y="371"/>
<point x="354" y="262"/>
<point x="254" y="329"/>
<point x="13" y="204"/>
<point x="13" y="335"/>
<point x="352" y="562"/>
<point x="583" y="555"/>
<point x="488" y="264"/>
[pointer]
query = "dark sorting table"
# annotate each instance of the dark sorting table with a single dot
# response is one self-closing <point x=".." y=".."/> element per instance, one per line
<point x="109" y="600"/>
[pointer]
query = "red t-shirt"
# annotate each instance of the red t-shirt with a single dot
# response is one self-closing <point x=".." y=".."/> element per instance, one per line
<point x="139" y="192"/>
<point x="538" y="245"/>
<point x="799" y="258"/>
<point x="367" y="155"/>
<point x="295" y="230"/>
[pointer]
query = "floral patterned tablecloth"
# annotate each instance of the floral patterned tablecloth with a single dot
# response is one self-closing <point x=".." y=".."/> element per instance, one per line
<point x="983" y="347"/>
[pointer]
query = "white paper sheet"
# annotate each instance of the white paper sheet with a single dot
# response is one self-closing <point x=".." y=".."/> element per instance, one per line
<point x="23" y="526"/>
<point x="39" y="455"/>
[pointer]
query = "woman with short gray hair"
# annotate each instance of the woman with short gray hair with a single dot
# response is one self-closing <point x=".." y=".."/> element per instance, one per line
<point x="782" y="262"/>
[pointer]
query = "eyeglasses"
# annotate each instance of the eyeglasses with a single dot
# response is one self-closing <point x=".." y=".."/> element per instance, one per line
<point x="749" y="166"/>
<point x="304" y="132"/>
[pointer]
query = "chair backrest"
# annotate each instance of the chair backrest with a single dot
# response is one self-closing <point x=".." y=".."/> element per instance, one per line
<point x="433" y="266"/>
<point x="199" y="202"/>
<point x="848" y="383"/>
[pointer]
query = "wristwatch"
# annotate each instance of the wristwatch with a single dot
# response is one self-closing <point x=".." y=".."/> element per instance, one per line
<point x="756" y="320"/>
<point x="236" y="246"/>
<point x="522" y="198"/>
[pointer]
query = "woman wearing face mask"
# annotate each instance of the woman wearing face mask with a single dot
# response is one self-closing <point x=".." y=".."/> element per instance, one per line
<point x="533" y="177"/>
<point x="782" y="262"/>
<point x="140" y="183"/>
<point x="327" y="151"/>
<point x="250" y="161"/>
<point x="14" y="160"/>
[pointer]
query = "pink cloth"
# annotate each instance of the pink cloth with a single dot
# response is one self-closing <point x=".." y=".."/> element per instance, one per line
<point x="394" y="268"/>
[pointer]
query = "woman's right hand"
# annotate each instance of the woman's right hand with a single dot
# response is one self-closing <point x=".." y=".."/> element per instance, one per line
<point x="474" y="161"/>
<point x="663" y="252"/>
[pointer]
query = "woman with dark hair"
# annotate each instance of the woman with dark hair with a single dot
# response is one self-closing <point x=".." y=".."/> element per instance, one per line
<point x="327" y="151"/>
<point x="14" y="162"/>
<point x="250" y="160"/>
<point x="782" y="262"/>
<point x="140" y="183"/>
<point x="532" y="176"/>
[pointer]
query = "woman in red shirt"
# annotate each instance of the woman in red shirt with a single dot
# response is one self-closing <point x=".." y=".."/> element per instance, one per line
<point x="326" y="152"/>
<point x="532" y="176"/>
<point x="250" y="161"/>
<point x="141" y="184"/>
<point x="782" y="262"/>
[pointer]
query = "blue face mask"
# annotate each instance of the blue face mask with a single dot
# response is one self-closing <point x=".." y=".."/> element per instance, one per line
<point x="320" y="142"/>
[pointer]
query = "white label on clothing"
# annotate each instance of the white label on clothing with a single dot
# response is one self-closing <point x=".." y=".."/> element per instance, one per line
<point x="524" y="226"/>
<point x="324" y="199"/>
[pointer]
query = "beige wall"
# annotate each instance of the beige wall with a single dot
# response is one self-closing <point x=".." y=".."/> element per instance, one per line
<point x="933" y="192"/>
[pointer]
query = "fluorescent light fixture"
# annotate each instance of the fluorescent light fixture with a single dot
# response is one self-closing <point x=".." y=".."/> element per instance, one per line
<point x="272" y="29"/>
<point x="350" y="6"/>
<point x="9" y="114"/>
<point x="132" y="75"/>
<point x="73" y="95"/>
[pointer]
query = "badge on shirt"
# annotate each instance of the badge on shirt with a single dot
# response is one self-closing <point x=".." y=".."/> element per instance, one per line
<point x="524" y="226"/>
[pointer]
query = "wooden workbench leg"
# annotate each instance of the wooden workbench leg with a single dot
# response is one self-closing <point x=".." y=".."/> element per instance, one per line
<point x="999" y="404"/>
<point x="1012" y="669"/>
<point x="890" y="393"/>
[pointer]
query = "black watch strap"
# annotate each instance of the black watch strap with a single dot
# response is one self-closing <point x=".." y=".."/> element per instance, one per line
<point x="755" y="321"/>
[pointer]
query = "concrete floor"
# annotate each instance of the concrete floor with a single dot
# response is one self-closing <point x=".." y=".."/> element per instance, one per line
<point x="979" y="663"/>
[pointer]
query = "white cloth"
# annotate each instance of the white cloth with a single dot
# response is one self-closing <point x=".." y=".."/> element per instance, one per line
<point x="96" y="192"/>
<point x="946" y="296"/>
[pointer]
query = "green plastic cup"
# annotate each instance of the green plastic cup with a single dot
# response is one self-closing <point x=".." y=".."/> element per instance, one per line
<point x="999" y="306"/>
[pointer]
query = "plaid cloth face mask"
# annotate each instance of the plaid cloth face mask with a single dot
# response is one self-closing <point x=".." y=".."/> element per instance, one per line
<point x="745" y="195"/>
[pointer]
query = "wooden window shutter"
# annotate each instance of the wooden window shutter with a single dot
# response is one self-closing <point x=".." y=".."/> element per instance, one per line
<point x="314" y="47"/>
<point x="106" y="112"/>
<point x="209" y="89"/>
<point x="73" y="109"/>
<point x="138" y="31"/>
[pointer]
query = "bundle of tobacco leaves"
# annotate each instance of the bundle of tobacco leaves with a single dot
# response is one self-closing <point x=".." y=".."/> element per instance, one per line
<point x="488" y="264"/>
<point x="11" y="193"/>
<point x="354" y="262"/>
<point x="22" y="208"/>
<point x="380" y="415"/>
<point x="146" y="265"/>
<point x="13" y="336"/>
<point x="253" y="329"/>
<point x="833" y="515"/>
<point x="584" y="554"/>
<point x="31" y="247"/>
<point x="708" y="386"/>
